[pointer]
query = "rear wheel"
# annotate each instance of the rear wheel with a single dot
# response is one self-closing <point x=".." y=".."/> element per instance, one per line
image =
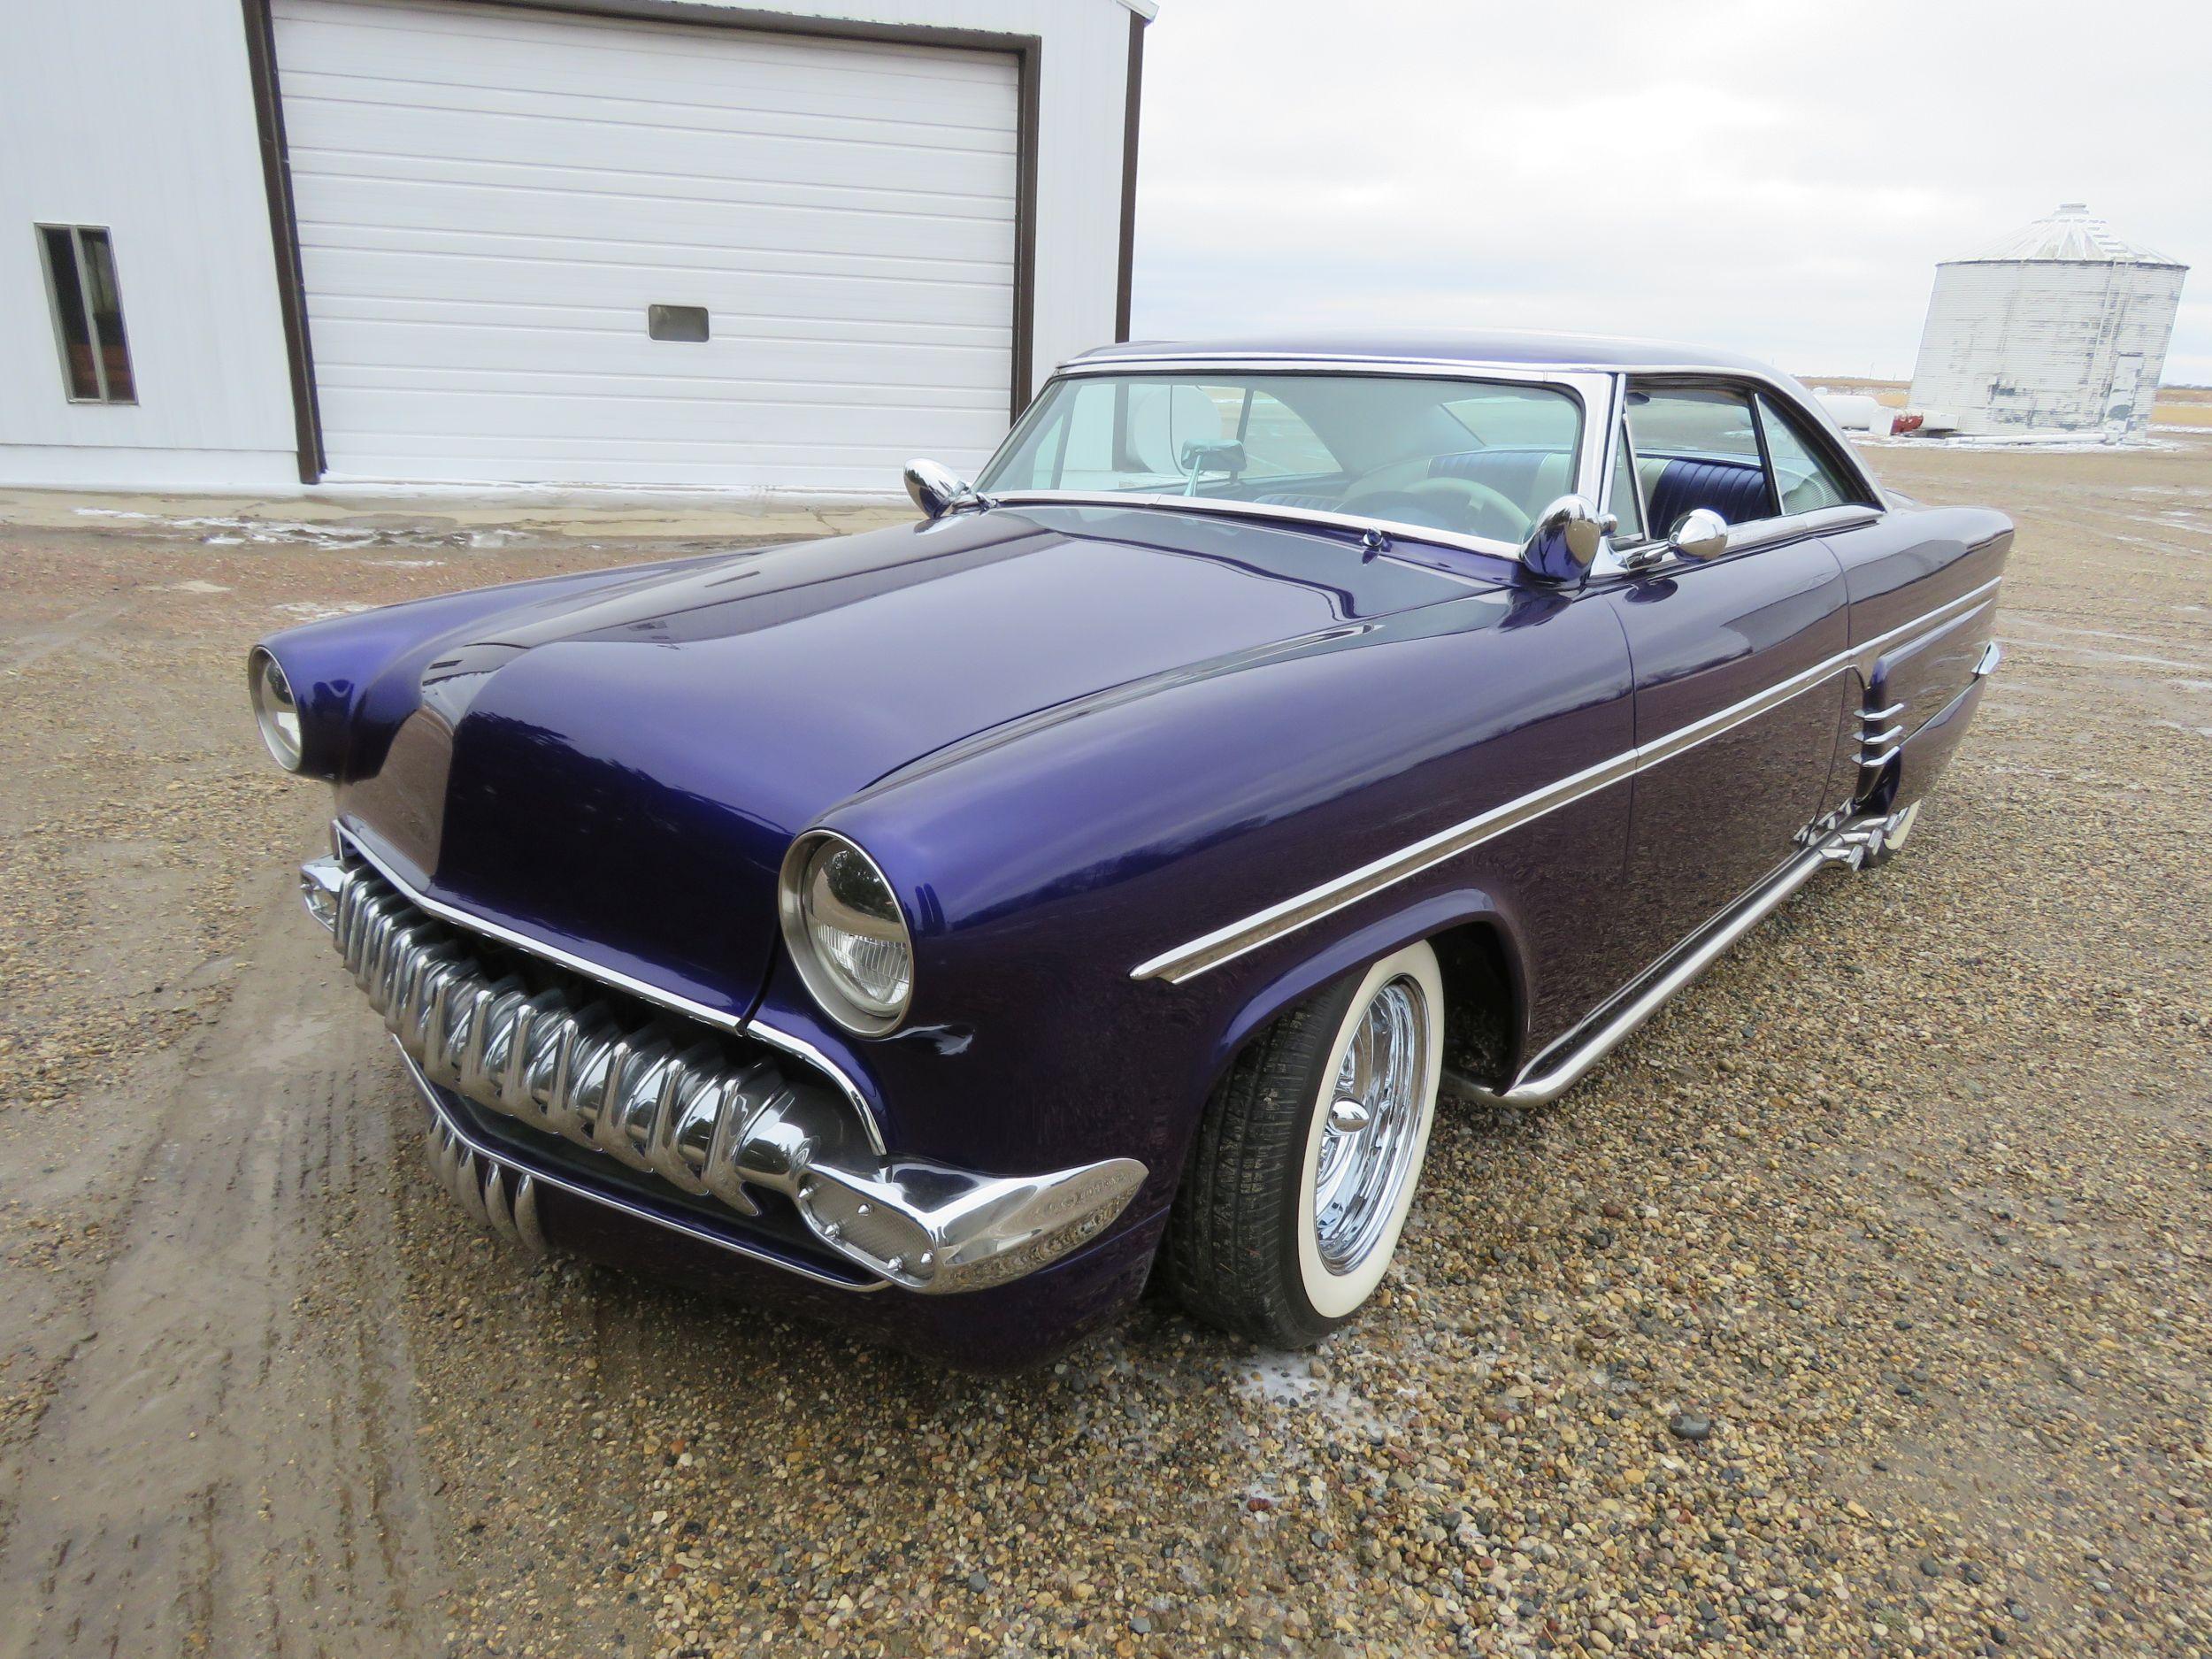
<point x="1308" y="1156"/>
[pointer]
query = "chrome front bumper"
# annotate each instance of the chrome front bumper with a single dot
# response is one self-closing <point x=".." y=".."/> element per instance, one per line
<point x="671" y="1099"/>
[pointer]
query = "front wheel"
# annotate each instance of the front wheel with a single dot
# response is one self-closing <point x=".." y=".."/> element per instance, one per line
<point x="1307" y="1157"/>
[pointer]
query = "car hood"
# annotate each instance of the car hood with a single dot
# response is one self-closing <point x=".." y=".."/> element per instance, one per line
<point x="618" y="773"/>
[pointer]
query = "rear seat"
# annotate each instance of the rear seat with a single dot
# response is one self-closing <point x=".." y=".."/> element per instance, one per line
<point x="1735" y="490"/>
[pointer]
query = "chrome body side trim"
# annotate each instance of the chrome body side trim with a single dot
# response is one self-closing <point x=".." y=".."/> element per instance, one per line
<point x="1568" y="1061"/>
<point x="1265" y="926"/>
<point x="686" y="1109"/>
<point x="774" y="1038"/>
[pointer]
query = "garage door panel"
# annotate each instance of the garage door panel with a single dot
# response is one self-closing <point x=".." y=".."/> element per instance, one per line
<point x="510" y="180"/>
<point x="526" y="316"/>
<point x="696" y="457"/>
<point x="357" y="207"/>
<point x="737" y="369"/>
<point x="730" y="295"/>
<point x="431" y="41"/>
<point x="727" y="98"/>
<point x="884" y="162"/>
<point x="579" y="259"/>
<point x="343" y="102"/>
<point x="488" y="200"/>
<point x="524" y="415"/>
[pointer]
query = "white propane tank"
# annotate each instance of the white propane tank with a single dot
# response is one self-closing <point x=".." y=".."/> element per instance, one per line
<point x="1855" y="411"/>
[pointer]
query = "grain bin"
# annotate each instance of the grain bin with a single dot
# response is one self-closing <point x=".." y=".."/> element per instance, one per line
<point x="2061" y="326"/>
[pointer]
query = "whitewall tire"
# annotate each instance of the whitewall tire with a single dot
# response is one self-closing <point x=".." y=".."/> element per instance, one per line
<point x="1306" y="1161"/>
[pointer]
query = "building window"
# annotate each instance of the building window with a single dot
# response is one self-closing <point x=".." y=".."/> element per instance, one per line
<point x="96" y="359"/>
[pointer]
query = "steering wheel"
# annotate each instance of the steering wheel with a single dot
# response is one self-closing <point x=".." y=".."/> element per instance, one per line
<point x="1458" y="504"/>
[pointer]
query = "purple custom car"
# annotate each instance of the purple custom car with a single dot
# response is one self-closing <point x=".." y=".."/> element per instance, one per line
<point x="945" y="929"/>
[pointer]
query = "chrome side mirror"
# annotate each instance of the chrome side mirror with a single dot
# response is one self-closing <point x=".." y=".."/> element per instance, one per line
<point x="937" y="489"/>
<point x="1699" y="533"/>
<point x="1565" y="539"/>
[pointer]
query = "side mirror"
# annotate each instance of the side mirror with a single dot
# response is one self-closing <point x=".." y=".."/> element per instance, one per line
<point x="1565" y="539"/>
<point x="1699" y="533"/>
<point x="937" y="489"/>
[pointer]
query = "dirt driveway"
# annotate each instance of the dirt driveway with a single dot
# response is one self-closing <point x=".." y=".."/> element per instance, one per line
<point x="1860" y="1304"/>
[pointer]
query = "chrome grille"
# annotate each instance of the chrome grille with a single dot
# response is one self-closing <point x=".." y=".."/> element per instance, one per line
<point x="673" y="1098"/>
<point x="561" y="1060"/>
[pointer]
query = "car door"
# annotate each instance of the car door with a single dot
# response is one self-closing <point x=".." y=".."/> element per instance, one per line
<point x="1739" y="710"/>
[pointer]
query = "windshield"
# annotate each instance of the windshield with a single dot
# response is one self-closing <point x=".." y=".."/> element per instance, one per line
<point x="1474" y="457"/>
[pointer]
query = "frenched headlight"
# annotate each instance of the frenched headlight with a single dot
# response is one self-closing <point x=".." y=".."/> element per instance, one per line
<point x="846" y="932"/>
<point x="274" y="707"/>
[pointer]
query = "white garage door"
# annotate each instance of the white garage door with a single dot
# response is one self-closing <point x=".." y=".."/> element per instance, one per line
<point x="490" y="201"/>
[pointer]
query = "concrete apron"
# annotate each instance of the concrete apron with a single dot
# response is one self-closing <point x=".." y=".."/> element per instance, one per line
<point x="506" y="515"/>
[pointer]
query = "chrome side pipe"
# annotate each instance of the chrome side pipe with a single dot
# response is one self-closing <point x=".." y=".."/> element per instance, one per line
<point x="564" y="1062"/>
<point x="1552" y="1074"/>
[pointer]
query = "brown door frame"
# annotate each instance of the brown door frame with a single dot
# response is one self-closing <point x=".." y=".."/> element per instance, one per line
<point x="1132" y="92"/>
<point x="1027" y="50"/>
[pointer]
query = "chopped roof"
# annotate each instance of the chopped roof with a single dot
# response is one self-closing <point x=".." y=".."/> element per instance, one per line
<point x="1540" y="350"/>
<point x="2071" y="234"/>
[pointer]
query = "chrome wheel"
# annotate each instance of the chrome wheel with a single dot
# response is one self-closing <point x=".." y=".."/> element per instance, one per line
<point x="1372" y="1141"/>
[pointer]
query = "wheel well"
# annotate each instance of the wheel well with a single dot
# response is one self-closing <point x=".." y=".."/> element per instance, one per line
<point x="1480" y="1003"/>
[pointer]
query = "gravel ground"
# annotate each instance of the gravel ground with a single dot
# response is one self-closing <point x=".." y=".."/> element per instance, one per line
<point x="1860" y="1305"/>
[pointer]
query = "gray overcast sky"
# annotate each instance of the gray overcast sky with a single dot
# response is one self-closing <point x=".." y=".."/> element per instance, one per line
<point x="1773" y="178"/>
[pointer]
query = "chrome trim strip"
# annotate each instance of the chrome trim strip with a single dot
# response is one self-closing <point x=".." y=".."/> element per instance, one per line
<point x="774" y="1038"/>
<point x="1548" y="1077"/>
<point x="466" y="1136"/>
<point x="1262" y="927"/>
<point x="1875" y="717"/>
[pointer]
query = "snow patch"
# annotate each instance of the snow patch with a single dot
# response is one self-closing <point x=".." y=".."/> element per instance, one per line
<point x="1288" y="1381"/>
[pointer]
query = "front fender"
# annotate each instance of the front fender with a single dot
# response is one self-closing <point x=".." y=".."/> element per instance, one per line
<point x="1427" y="918"/>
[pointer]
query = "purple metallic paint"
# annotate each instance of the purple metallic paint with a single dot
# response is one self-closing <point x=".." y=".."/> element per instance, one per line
<point x="1711" y="822"/>
<point x="1073" y="738"/>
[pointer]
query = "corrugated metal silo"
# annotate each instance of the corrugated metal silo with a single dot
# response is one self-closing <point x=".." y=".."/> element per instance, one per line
<point x="2060" y="327"/>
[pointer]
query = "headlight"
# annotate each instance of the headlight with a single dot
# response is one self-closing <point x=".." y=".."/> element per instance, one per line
<point x="847" y="933"/>
<point x="275" y="707"/>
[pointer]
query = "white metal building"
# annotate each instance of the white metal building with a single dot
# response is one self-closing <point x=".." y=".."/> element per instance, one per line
<point x="2060" y="327"/>
<point x="617" y="242"/>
